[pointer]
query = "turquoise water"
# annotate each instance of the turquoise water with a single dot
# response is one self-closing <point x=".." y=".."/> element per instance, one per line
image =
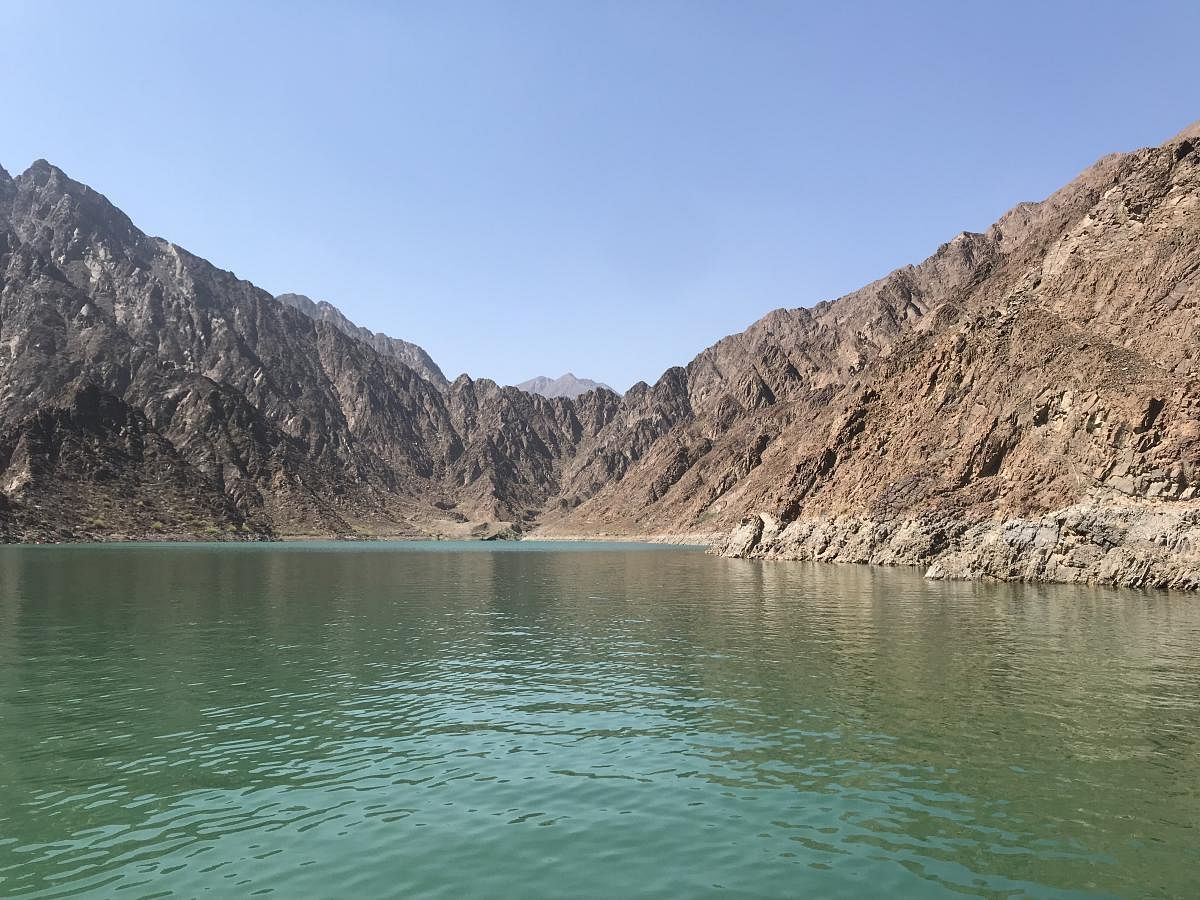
<point x="585" y="720"/>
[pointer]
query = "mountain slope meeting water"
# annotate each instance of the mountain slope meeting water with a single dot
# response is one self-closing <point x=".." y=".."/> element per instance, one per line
<point x="1024" y="404"/>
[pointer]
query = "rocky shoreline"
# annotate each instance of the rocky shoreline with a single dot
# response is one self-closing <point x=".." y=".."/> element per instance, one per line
<point x="1121" y="542"/>
<point x="1099" y="541"/>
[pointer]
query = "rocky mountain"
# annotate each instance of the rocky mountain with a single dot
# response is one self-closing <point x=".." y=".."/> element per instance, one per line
<point x="144" y="392"/>
<point x="566" y="385"/>
<point x="1024" y="404"/>
<point x="409" y="354"/>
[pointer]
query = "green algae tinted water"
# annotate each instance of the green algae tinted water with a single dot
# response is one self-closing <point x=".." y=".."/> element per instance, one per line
<point x="591" y="721"/>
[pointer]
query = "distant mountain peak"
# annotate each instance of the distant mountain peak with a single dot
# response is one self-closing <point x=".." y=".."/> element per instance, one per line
<point x="566" y="385"/>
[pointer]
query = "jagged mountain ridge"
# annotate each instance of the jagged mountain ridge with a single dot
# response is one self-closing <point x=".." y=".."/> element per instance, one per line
<point x="408" y="353"/>
<point x="1020" y="405"/>
<point x="565" y="385"/>
<point x="126" y="362"/>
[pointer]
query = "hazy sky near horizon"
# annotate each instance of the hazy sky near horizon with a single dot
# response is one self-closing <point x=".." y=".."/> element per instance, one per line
<point x="529" y="187"/>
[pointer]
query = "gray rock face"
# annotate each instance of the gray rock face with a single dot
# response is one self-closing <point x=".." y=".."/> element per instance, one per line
<point x="566" y="385"/>
<point x="409" y="354"/>
<point x="144" y="392"/>
<point x="1099" y="540"/>
<point x="8" y="190"/>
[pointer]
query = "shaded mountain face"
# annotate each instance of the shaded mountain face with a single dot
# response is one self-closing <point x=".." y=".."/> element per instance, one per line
<point x="566" y="385"/>
<point x="409" y="354"/>
<point x="1023" y="404"/>
<point x="135" y="376"/>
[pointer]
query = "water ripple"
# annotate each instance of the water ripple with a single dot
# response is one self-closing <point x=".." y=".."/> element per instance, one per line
<point x="329" y="720"/>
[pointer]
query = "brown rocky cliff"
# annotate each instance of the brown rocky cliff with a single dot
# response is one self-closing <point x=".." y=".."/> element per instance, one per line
<point x="1045" y="368"/>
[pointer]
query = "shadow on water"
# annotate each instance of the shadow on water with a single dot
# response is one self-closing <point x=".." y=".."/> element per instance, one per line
<point x="591" y="720"/>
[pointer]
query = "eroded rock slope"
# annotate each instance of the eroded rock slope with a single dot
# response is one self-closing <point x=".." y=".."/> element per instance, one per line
<point x="1023" y="404"/>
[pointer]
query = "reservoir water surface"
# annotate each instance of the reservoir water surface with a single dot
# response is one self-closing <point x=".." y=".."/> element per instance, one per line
<point x="590" y="720"/>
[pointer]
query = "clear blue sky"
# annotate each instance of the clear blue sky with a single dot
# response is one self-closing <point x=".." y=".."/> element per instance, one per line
<point x="608" y="187"/>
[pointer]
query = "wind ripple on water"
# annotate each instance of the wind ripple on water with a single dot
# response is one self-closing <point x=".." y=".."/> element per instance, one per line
<point x="589" y="721"/>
